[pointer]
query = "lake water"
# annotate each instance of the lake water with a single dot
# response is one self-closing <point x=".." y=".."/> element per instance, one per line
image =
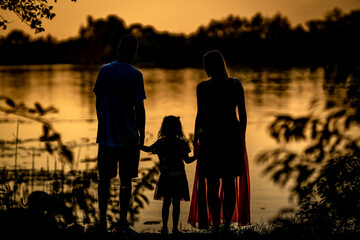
<point x="268" y="91"/>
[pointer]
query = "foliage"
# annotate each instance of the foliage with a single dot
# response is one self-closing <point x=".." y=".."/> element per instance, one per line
<point x="337" y="29"/>
<point x="329" y="130"/>
<point x="31" y="12"/>
<point x="257" y="40"/>
<point x="331" y="210"/>
<point x="138" y="200"/>
<point x="50" y="137"/>
<point x="335" y="204"/>
<point x="8" y="193"/>
<point x="20" y="223"/>
<point x="78" y="190"/>
<point x="81" y="185"/>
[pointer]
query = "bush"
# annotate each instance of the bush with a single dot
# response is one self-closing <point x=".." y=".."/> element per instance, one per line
<point x="331" y="210"/>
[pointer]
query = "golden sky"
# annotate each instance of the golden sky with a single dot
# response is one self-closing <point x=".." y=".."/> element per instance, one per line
<point x="178" y="16"/>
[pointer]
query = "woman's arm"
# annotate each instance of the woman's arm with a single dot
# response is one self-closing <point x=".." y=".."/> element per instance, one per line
<point x="241" y="106"/>
<point x="198" y="120"/>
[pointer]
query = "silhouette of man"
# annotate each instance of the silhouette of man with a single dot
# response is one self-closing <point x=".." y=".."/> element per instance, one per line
<point x="119" y="91"/>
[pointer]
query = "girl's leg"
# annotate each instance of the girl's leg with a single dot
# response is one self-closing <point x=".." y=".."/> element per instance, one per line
<point x="229" y="200"/>
<point x="165" y="212"/>
<point x="213" y="185"/>
<point x="176" y="213"/>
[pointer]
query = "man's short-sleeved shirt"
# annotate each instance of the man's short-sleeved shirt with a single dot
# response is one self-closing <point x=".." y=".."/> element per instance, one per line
<point x="117" y="88"/>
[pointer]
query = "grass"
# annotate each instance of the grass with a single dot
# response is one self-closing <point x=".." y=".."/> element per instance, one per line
<point x="21" y="223"/>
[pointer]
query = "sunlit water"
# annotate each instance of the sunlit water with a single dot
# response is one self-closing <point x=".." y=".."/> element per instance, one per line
<point x="269" y="92"/>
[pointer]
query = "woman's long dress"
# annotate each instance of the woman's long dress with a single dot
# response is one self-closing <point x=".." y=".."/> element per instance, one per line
<point x="221" y="151"/>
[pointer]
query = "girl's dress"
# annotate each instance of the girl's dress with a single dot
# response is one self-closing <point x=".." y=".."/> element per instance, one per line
<point x="221" y="151"/>
<point x="172" y="182"/>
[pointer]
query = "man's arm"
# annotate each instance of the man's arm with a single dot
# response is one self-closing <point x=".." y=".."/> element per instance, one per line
<point x="140" y="119"/>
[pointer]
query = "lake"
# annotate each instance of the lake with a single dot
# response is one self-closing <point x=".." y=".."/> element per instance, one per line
<point x="268" y="92"/>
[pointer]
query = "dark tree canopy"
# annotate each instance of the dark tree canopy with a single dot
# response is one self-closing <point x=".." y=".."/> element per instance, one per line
<point x="258" y="40"/>
<point x="31" y="12"/>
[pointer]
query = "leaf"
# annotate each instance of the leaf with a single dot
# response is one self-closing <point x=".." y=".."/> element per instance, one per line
<point x="144" y="198"/>
<point x="301" y="121"/>
<point x="312" y="149"/>
<point x="298" y="133"/>
<point x="45" y="130"/>
<point x="314" y="132"/>
<point x="67" y="154"/>
<point x="54" y="137"/>
<point x="330" y="104"/>
<point x="48" y="148"/>
<point x="51" y="109"/>
<point x="284" y="117"/>
<point x="277" y="175"/>
<point x="348" y="122"/>
<point x="338" y="114"/>
<point x="39" y="108"/>
<point x="10" y="102"/>
<point x="139" y="202"/>
<point x="321" y="156"/>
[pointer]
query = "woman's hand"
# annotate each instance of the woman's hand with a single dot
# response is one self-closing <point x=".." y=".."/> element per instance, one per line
<point x="145" y="148"/>
<point x="190" y="159"/>
<point x="195" y="148"/>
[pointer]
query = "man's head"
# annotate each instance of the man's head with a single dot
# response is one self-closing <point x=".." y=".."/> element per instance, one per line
<point x="127" y="48"/>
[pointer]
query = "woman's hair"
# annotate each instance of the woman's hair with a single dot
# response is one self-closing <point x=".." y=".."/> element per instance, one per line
<point x="215" y="65"/>
<point x="171" y="127"/>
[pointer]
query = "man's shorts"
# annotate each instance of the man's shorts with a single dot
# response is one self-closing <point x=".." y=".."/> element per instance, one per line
<point x="126" y="154"/>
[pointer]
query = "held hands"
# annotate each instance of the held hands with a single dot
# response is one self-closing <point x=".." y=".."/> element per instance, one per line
<point x="190" y="159"/>
<point x="145" y="148"/>
<point x="142" y="140"/>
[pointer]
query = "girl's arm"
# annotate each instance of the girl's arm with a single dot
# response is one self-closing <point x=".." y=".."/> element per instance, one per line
<point x="154" y="148"/>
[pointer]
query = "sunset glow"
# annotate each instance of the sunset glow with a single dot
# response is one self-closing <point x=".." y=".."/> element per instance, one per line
<point x="179" y="16"/>
<point x="267" y="93"/>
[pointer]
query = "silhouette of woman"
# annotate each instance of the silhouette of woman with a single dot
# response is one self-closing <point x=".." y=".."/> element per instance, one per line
<point x="222" y="175"/>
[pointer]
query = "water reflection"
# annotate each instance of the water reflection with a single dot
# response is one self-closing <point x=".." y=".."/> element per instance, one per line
<point x="269" y="92"/>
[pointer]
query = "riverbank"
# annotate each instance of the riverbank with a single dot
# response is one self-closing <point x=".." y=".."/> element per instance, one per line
<point x="249" y="234"/>
<point x="20" y="224"/>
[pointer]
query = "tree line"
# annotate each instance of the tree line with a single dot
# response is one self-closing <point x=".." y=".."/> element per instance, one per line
<point x="258" y="40"/>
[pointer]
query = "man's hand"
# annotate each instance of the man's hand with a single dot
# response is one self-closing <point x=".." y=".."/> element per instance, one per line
<point x="142" y="140"/>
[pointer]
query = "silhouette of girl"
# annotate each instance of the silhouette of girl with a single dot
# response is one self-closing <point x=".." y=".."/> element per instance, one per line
<point x="172" y="186"/>
<point x="222" y="175"/>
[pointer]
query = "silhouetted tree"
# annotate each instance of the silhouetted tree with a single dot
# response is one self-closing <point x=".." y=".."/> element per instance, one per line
<point x="258" y="40"/>
<point x="334" y="38"/>
<point x="31" y="12"/>
<point x="99" y="39"/>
